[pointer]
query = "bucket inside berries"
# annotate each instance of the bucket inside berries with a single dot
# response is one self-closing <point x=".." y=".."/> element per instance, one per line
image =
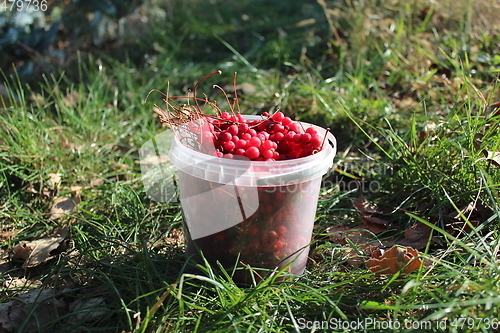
<point x="249" y="187"/>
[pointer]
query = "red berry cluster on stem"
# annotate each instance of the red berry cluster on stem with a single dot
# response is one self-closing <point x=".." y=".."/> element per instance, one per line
<point x="273" y="138"/>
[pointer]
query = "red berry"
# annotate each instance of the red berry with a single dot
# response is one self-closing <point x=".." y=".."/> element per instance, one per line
<point x="239" y="151"/>
<point x="225" y="136"/>
<point x="316" y="141"/>
<point x="254" y="142"/>
<point x="281" y="230"/>
<point x="252" y="132"/>
<point x="311" y="130"/>
<point x="272" y="236"/>
<point x="243" y="127"/>
<point x="233" y="129"/>
<point x="278" y="245"/>
<point x="305" y="138"/>
<point x="267" y="154"/>
<point x="279" y="136"/>
<point x="295" y="126"/>
<point x="280" y="196"/>
<point x="252" y="153"/>
<point x="225" y="115"/>
<point x="241" y="144"/>
<point x="246" y="136"/>
<point x="207" y="136"/>
<point x="286" y="121"/>
<point x="208" y="127"/>
<point x="278" y="116"/>
<point x="268" y="144"/>
<point x="278" y="128"/>
<point x="229" y="146"/>
<point x="240" y="118"/>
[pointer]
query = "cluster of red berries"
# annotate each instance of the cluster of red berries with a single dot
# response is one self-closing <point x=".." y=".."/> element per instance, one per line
<point x="273" y="138"/>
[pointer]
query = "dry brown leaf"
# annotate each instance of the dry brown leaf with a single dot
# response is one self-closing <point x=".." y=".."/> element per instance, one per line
<point x="85" y="309"/>
<point x="341" y="235"/>
<point x="394" y="260"/>
<point x="21" y="282"/>
<point x="361" y="238"/>
<point x="63" y="207"/>
<point x="93" y="182"/>
<point x="375" y="224"/>
<point x="41" y="302"/>
<point x="96" y="182"/>
<point x="364" y="207"/>
<point x="71" y="98"/>
<point x="4" y="262"/>
<point x="416" y="236"/>
<point x="8" y="235"/>
<point x="475" y="213"/>
<point x="154" y="160"/>
<point x="176" y="237"/>
<point x="493" y="157"/>
<point x="38" y="251"/>
<point x="54" y="180"/>
<point x="367" y="210"/>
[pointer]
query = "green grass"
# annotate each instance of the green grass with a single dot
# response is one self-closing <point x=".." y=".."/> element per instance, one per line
<point x="407" y="94"/>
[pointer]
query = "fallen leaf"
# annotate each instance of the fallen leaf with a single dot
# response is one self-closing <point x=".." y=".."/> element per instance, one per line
<point x="367" y="210"/>
<point x="394" y="260"/>
<point x="493" y="157"/>
<point x="4" y="262"/>
<point x="38" y="251"/>
<point x="93" y="182"/>
<point x="86" y="309"/>
<point x="362" y="239"/>
<point x="96" y="182"/>
<point x="71" y="98"/>
<point x="54" y="180"/>
<point x="30" y="311"/>
<point x="364" y="207"/>
<point x="344" y="235"/>
<point x="8" y="235"/>
<point x="176" y="237"/>
<point x="375" y="224"/>
<point x="154" y="160"/>
<point x="22" y="282"/>
<point x="22" y="250"/>
<point x="475" y="213"/>
<point x="63" y="207"/>
<point x="416" y="236"/>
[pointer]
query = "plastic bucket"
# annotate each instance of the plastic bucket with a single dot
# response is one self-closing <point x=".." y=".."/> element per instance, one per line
<point x="250" y="213"/>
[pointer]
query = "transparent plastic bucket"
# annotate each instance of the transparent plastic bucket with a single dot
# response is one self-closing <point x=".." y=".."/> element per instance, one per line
<point x="241" y="213"/>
